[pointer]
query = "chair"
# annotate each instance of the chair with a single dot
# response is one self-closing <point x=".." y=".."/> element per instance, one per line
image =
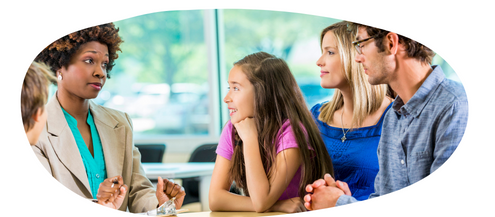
<point x="151" y="153"/>
<point x="203" y="153"/>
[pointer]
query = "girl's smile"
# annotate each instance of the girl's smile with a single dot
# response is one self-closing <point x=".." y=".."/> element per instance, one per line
<point x="240" y="98"/>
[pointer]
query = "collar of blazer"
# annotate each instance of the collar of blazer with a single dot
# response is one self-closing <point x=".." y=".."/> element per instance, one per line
<point x="112" y="135"/>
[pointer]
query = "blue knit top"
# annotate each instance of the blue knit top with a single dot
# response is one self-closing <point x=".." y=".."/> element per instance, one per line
<point x="355" y="160"/>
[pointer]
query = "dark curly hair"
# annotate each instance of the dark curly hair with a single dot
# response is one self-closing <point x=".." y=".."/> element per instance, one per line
<point x="414" y="49"/>
<point x="58" y="54"/>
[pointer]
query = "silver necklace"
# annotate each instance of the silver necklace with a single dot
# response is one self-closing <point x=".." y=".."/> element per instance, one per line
<point x="342" y="121"/>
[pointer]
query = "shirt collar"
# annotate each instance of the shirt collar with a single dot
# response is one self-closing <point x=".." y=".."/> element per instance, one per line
<point x="419" y="100"/>
<point x="72" y="121"/>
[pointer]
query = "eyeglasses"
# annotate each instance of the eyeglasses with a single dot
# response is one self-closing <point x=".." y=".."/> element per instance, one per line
<point x="358" y="46"/>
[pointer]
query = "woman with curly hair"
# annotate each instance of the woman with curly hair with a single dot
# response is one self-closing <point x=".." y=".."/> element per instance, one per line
<point x="84" y="143"/>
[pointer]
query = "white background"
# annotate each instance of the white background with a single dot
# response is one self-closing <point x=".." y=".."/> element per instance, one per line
<point x="461" y="33"/>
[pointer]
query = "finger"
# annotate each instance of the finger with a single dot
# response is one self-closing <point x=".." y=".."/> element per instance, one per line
<point x="102" y="196"/>
<point x="307" y="198"/>
<point x="104" y="191"/>
<point x="120" y="180"/>
<point x="181" y="193"/>
<point x="175" y="190"/>
<point x="105" y="197"/>
<point x="112" y="180"/>
<point x="318" y="183"/>
<point x="307" y="205"/>
<point x="344" y="187"/>
<point x="159" y="185"/>
<point x="169" y="187"/>
<point x="119" y="199"/>
<point x="165" y="183"/>
<point x="329" y="180"/>
<point x="122" y="191"/>
<point x="106" y="184"/>
<point x="111" y="184"/>
<point x="309" y="188"/>
<point x="114" y="196"/>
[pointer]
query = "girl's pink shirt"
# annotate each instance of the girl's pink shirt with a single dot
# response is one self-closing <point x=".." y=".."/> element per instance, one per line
<point x="287" y="140"/>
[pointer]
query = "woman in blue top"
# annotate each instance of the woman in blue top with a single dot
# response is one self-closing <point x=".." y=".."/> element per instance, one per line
<point x="351" y="123"/>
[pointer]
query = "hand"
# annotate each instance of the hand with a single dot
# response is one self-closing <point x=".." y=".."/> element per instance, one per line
<point x="310" y="189"/>
<point x="167" y="189"/>
<point x="324" y="193"/>
<point x="247" y="129"/>
<point x="291" y="205"/>
<point x="111" y="192"/>
<point x="344" y="187"/>
<point x="324" y="197"/>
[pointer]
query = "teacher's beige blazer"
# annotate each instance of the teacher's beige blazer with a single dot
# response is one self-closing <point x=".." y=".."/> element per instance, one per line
<point x="58" y="152"/>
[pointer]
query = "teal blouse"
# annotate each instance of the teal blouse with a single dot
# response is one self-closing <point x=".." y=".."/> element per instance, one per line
<point x="95" y="167"/>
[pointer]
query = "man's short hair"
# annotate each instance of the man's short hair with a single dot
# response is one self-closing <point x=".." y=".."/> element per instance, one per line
<point x="34" y="92"/>
<point x="414" y="49"/>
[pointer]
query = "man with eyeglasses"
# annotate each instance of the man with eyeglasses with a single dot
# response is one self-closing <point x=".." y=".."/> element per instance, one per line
<point x="423" y="129"/>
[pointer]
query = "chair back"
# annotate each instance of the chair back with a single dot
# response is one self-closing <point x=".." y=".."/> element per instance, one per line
<point x="203" y="153"/>
<point x="151" y="153"/>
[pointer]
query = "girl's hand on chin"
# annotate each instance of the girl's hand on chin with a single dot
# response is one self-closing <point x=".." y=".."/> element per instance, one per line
<point x="247" y="129"/>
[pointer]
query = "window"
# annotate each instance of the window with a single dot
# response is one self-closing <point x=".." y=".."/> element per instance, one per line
<point x="291" y="36"/>
<point x="161" y="77"/>
<point x="171" y="76"/>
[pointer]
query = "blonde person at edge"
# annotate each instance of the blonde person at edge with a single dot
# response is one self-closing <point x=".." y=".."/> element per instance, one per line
<point x="350" y="123"/>
<point x="34" y="95"/>
<point x="271" y="147"/>
<point x="82" y="142"/>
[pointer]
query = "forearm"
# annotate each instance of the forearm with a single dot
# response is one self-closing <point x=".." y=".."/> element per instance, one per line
<point x="236" y="203"/>
<point x="260" y="191"/>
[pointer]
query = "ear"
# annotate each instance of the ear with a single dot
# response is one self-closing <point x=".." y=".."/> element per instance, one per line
<point x="36" y="116"/>
<point x="392" y="43"/>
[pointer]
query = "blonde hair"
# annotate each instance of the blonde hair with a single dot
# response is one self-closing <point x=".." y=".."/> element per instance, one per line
<point x="366" y="98"/>
<point x="34" y="93"/>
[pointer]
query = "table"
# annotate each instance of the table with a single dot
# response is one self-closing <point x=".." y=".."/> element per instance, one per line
<point x="228" y="214"/>
<point x="184" y="170"/>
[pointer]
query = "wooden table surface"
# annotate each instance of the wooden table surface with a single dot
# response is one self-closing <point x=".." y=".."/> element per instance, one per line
<point x="227" y="214"/>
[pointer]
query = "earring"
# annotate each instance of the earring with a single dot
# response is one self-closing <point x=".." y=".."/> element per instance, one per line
<point x="59" y="77"/>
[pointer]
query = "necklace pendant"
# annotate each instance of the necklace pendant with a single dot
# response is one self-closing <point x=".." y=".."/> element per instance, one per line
<point x="343" y="138"/>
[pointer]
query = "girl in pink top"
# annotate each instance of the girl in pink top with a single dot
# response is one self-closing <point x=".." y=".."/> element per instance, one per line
<point x="271" y="147"/>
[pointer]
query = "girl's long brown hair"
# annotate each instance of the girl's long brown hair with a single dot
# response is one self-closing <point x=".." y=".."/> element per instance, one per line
<point x="277" y="99"/>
